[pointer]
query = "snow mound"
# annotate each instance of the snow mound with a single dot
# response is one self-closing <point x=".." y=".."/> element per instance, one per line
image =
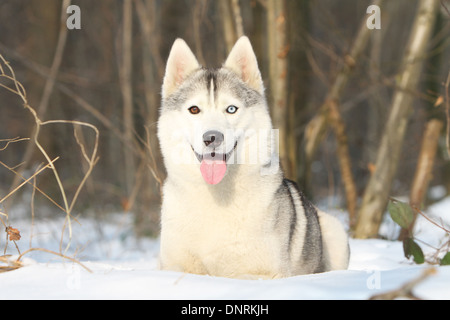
<point x="123" y="267"/>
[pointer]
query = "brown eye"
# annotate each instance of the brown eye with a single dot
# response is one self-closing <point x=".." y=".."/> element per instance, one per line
<point x="194" y="110"/>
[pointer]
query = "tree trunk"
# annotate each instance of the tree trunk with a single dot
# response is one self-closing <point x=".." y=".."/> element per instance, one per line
<point x="228" y="25"/>
<point x="377" y="191"/>
<point x="299" y="74"/>
<point x="278" y="50"/>
<point x="344" y="162"/>
<point x="424" y="170"/>
<point x="127" y="94"/>
<point x="230" y="13"/>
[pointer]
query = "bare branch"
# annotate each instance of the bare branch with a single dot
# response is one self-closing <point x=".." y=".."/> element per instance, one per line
<point x="406" y="289"/>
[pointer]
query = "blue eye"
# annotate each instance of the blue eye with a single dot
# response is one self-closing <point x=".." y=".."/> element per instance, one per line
<point x="231" y="109"/>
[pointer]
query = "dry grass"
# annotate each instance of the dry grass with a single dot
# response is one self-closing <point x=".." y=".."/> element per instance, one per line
<point x="10" y="83"/>
<point x="9" y="264"/>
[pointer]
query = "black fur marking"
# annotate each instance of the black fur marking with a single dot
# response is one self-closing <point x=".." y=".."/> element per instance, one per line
<point x="293" y="221"/>
<point x="313" y="236"/>
<point x="211" y="74"/>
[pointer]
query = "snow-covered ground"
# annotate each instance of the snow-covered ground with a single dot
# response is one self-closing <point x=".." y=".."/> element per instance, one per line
<point x="124" y="267"/>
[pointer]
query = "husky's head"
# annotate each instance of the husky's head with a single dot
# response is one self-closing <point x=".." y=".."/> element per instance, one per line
<point x="212" y="119"/>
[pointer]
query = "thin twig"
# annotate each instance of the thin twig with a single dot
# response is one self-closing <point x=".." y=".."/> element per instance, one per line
<point x="33" y="194"/>
<point x="55" y="253"/>
<point x="9" y="141"/>
<point x="27" y="180"/>
<point x="445" y="7"/>
<point x="417" y="210"/>
<point x="11" y="264"/>
<point x="92" y="160"/>
<point x="35" y="187"/>
<point x="406" y="289"/>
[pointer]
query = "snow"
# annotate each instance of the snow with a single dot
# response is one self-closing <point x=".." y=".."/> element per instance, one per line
<point x="123" y="267"/>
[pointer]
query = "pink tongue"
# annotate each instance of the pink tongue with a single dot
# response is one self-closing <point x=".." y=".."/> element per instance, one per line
<point x="213" y="171"/>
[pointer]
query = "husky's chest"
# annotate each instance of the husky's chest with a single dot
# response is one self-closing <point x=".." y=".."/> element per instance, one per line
<point x="205" y="236"/>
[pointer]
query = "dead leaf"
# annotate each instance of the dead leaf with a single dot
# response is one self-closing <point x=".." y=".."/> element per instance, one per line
<point x="13" y="233"/>
<point x="126" y="205"/>
<point x="439" y="101"/>
<point x="371" y="167"/>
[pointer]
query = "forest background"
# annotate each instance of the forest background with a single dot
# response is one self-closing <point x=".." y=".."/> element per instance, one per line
<point x="357" y="108"/>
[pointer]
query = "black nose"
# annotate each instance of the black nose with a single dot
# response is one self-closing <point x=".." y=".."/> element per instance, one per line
<point x="213" y="138"/>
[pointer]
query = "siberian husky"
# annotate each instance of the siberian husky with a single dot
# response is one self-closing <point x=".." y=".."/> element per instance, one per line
<point x="227" y="209"/>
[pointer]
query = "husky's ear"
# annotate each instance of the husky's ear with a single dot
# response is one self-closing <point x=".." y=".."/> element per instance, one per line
<point x="242" y="60"/>
<point x="180" y="64"/>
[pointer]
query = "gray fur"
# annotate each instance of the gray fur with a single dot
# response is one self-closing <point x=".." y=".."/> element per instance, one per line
<point x="223" y="79"/>
<point x="292" y="207"/>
